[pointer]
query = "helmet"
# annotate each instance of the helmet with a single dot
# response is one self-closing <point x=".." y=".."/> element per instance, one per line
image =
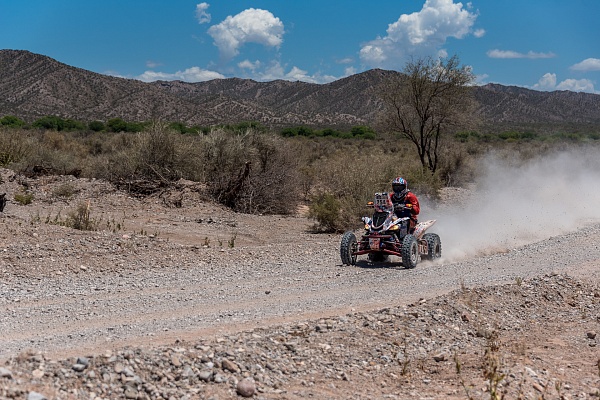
<point x="400" y="187"/>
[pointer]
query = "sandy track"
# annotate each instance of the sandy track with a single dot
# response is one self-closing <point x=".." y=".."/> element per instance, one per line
<point x="211" y="290"/>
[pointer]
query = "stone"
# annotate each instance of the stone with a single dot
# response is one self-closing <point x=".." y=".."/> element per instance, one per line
<point x="246" y="387"/>
<point x="229" y="365"/>
<point x="78" y="367"/>
<point x="5" y="373"/>
<point x="36" y="396"/>
<point x="591" y="335"/>
<point x="130" y="392"/>
<point x="205" y="376"/>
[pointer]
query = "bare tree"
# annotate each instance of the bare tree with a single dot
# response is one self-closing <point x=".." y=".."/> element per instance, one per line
<point x="431" y="97"/>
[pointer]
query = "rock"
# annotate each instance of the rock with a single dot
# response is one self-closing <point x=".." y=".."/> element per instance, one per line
<point x="440" y="357"/>
<point x="591" y="335"/>
<point x="220" y="378"/>
<point x="176" y="361"/>
<point x="83" y="361"/>
<point x="78" y="367"/>
<point x="130" y="392"/>
<point x="246" y="387"/>
<point x="5" y="373"/>
<point x="36" y="396"/>
<point x="229" y="365"/>
<point x="37" y="374"/>
<point x="205" y="376"/>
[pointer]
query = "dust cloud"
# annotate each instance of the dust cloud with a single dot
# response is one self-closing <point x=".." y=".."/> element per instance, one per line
<point x="513" y="204"/>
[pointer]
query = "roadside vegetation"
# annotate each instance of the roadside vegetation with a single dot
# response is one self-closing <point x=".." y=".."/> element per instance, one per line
<point x="252" y="169"/>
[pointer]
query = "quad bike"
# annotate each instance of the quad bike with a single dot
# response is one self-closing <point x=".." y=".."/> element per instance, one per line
<point x="386" y="234"/>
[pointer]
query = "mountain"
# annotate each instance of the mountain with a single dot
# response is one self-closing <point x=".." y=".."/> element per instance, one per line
<point x="33" y="85"/>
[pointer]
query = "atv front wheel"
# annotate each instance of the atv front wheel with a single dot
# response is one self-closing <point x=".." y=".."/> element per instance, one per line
<point x="434" y="246"/>
<point x="348" y="246"/>
<point x="410" y="251"/>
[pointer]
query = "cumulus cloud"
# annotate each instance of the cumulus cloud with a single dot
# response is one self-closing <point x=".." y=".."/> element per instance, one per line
<point x="548" y="82"/>
<point x="479" y="33"/>
<point x="193" y="74"/>
<point x="419" y="33"/>
<point x="577" y="85"/>
<point x="589" y="64"/>
<point x="247" y="64"/>
<point x="201" y="15"/>
<point x="515" y="54"/>
<point x="275" y="70"/>
<point x="249" y="26"/>
<point x="349" y="71"/>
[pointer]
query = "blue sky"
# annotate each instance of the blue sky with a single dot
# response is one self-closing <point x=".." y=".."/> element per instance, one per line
<point x="539" y="44"/>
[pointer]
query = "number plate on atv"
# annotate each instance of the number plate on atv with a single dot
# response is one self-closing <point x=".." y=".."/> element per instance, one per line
<point x="374" y="243"/>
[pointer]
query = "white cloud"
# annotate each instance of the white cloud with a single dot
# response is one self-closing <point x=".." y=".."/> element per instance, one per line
<point x="247" y="64"/>
<point x="249" y="26"/>
<point x="201" y="15"/>
<point x="276" y="71"/>
<point x="193" y="74"/>
<point x="479" y="33"/>
<point x="419" y="33"/>
<point x="152" y="64"/>
<point x="515" y="54"/>
<point x="347" y="60"/>
<point x="548" y="82"/>
<point x="576" y="85"/>
<point x="349" y="71"/>
<point x="589" y="64"/>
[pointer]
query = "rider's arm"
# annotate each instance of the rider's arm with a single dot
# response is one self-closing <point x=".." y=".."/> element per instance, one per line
<point x="411" y="199"/>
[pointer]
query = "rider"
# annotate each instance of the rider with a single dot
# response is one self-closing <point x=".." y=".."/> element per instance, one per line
<point x="405" y="202"/>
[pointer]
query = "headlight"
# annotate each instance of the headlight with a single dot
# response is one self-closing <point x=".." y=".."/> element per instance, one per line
<point x="394" y="228"/>
<point x="367" y="227"/>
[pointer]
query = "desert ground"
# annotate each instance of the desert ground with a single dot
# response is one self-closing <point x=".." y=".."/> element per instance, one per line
<point x="175" y="297"/>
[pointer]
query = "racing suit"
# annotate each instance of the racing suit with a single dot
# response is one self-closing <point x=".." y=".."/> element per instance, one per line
<point x="412" y="209"/>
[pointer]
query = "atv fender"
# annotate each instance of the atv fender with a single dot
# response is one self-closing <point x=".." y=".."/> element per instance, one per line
<point x="422" y="227"/>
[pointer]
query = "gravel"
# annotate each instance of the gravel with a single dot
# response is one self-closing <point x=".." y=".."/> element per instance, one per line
<point x="256" y="306"/>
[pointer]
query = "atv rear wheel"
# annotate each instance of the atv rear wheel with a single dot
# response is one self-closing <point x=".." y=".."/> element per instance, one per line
<point x="348" y="246"/>
<point x="410" y="251"/>
<point x="434" y="246"/>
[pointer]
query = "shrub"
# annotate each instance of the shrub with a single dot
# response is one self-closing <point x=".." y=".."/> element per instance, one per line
<point x="96" y="126"/>
<point x="81" y="219"/>
<point x="11" y="121"/>
<point x="253" y="172"/>
<point x="23" y="198"/>
<point x="15" y="145"/>
<point x="325" y="209"/>
<point x="58" y="124"/>
<point x="66" y="190"/>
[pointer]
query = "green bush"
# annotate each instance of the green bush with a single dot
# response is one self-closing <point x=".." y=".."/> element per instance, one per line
<point x="96" y="126"/>
<point x="23" y="198"/>
<point x="11" y="121"/>
<point x="65" y="191"/>
<point x="325" y="209"/>
<point x="55" y="123"/>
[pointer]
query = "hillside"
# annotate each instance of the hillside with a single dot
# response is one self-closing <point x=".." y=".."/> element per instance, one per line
<point x="33" y="85"/>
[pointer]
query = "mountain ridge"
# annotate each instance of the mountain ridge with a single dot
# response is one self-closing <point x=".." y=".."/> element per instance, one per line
<point x="34" y="85"/>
